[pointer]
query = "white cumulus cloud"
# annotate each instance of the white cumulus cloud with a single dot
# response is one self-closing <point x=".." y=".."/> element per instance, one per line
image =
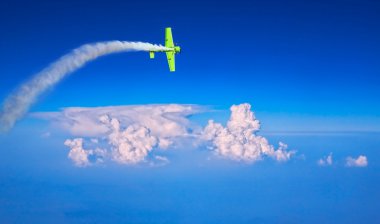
<point x="81" y="156"/>
<point x="239" y="140"/>
<point x="326" y="161"/>
<point x="131" y="145"/>
<point x="126" y="134"/>
<point x="361" y="161"/>
<point x="134" y="134"/>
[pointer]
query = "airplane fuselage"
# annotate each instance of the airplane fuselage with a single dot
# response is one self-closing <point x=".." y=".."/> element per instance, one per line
<point x="176" y="49"/>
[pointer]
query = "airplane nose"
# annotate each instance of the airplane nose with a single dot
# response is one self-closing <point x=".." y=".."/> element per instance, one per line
<point x="177" y="49"/>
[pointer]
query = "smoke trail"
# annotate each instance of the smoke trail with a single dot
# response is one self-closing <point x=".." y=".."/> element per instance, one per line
<point x="19" y="102"/>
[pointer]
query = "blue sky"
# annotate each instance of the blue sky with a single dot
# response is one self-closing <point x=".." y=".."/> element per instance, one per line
<point x="310" y="70"/>
<point x="296" y="57"/>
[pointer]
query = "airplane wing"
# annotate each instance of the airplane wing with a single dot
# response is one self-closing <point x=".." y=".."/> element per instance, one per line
<point x="168" y="37"/>
<point x="171" y="60"/>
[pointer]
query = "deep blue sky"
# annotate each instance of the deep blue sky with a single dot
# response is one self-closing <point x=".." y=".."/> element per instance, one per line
<point x="303" y="65"/>
<point x="313" y="58"/>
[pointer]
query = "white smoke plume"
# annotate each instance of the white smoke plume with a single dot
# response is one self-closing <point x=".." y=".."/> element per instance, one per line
<point x="239" y="141"/>
<point x="19" y="102"/>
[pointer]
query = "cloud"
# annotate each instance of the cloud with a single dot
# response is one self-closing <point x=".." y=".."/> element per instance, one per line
<point x="165" y="121"/>
<point x="126" y="134"/>
<point x="81" y="156"/>
<point x="131" y="145"/>
<point x="326" y="161"/>
<point x="160" y="161"/>
<point x="361" y="161"/>
<point x="239" y="141"/>
<point x="133" y="134"/>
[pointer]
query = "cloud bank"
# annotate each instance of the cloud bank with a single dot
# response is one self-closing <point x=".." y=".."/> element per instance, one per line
<point x="135" y="134"/>
<point x="18" y="103"/>
<point x="124" y="134"/>
<point x="142" y="133"/>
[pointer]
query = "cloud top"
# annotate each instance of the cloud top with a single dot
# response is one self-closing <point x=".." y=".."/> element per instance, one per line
<point x="166" y="120"/>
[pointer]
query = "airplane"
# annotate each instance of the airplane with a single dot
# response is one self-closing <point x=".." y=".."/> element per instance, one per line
<point x="170" y="54"/>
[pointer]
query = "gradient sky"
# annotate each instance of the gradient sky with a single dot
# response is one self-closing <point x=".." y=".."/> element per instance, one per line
<point x="316" y="58"/>
<point x="304" y="66"/>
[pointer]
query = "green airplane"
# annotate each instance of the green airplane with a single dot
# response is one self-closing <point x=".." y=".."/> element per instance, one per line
<point x="170" y="54"/>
